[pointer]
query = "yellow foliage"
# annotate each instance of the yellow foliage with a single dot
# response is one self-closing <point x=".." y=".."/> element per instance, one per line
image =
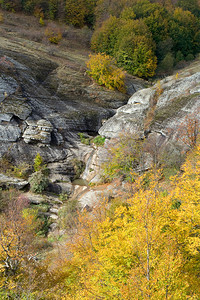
<point x="1" y="18"/>
<point x="75" y="12"/>
<point x="149" y="248"/>
<point x="102" y="68"/>
<point x="54" y="34"/>
<point x="41" y="21"/>
<point x="159" y="89"/>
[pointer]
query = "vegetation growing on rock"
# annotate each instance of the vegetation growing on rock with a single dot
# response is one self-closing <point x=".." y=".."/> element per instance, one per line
<point x="102" y="68"/>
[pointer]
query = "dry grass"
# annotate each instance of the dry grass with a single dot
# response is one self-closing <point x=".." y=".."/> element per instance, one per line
<point x="28" y="27"/>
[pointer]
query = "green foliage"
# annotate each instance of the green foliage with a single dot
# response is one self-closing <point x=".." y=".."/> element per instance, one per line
<point x="75" y="12"/>
<point x="21" y="171"/>
<point x="53" y="9"/>
<point x="38" y="182"/>
<point x="11" y="5"/>
<point x="189" y="57"/>
<point x="130" y="42"/>
<point x="102" y="68"/>
<point x="99" y="140"/>
<point x="63" y="197"/>
<point x="105" y="38"/>
<point x="167" y="63"/>
<point x="179" y="56"/>
<point x="80" y="12"/>
<point x="168" y="28"/>
<point x="84" y="140"/>
<point x="193" y="6"/>
<point x="68" y="214"/>
<point x="125" y="155"/>
<point x="79" y="167"/>
<point x="144" y="61"/>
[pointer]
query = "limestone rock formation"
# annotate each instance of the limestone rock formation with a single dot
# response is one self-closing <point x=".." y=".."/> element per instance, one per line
<point x="160" y="113"/>
<point x="39" y="131"/>
<point x="11" y="182"/>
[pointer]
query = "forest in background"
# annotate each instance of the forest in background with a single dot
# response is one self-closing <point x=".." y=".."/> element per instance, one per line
<point x="145" y="37"/>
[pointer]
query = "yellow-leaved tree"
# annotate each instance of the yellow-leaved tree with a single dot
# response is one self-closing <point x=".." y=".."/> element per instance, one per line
<point x="150" y="247"/>
<point x="102" y="68"/>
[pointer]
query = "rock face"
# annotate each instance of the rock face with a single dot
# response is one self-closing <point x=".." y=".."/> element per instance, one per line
<point x="9" y="133"/>
<point x="10" y="182"/>
<point x="45" y="100"/>
<point x="161" y="116"/>
<point x="160" y="113"/>
<point x="39" y="131"/>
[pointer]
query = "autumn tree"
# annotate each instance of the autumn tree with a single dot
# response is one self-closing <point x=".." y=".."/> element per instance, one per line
<point x="149" y="248"/>
<point x="17" y="233"/>
<point x="103" y="69"/>
<point x="188" y="130"/>
<point x="192" y="5"/>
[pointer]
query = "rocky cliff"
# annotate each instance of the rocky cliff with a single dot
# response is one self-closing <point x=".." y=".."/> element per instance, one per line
<point x="166" y="116"/>
<point x="163" y="113"/>
<point x="46" y="98"/>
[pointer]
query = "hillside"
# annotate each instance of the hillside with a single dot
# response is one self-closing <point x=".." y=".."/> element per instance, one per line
<point x="99" y="190"/>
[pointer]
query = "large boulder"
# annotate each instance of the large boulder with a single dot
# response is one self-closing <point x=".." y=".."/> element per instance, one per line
<point x="39" y="131"/>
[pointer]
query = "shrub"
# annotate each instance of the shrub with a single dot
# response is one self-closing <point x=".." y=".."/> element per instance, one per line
<point x="38" y="162"/>
<point x="1" y="18"/>
<point x="125" y="156"/>
<point x="68" y="214"/>
<point x="53" y="33"/>
<point x="99" y="140"/>
<point x="79" y="167"/>
<point x="6" y="165"/>
<point x="38" y="181"/>
<point x="84" y="140"/>
<point x="189" y="57"/>
<point x="179" y="56"/>
<point x="167" y="63"/>
<point x="41" y="21"/>
<point x="21" y="171"/>
<point x="102" y="68"/>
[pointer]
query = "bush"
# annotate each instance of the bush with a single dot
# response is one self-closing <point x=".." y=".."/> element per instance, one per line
<point x="68" y="214"/>
<point x="79" y="167"/>
<point x="84" y="140"/>
<point x="125" y="156"/>
<point x="38" y="162"/>
<point x="99" y="140"/>
<point x="189" y="57"/>
<point x="53" y="33"/>
<point x="1" y="18"/>
<point x="38" y="181"/>
<point x="179" y="56"/>
<point x="102" y="68"/>
<point x="41" y="21"/>
<point x="167" y="63"/>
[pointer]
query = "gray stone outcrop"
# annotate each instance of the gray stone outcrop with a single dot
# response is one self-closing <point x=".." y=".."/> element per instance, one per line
<point x="9" y="133"/>
<point x="11" y="182"/>
<point x="38" y="131"/>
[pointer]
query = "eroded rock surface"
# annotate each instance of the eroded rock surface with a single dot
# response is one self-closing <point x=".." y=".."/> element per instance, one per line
<point x="160" y="113"/>
<point x="11" y="182"/>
